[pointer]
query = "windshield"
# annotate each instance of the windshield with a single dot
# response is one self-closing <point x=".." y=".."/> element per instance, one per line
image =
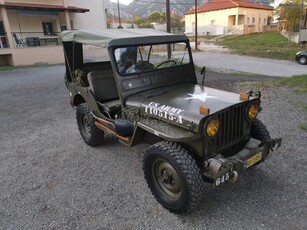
<point x="138" y="59"/>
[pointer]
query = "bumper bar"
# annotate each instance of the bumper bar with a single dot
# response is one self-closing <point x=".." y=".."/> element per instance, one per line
<point x="219" y="169"/>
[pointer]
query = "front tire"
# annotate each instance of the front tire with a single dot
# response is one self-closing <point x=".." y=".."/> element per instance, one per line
<point x="259" y="130"/>
<point x="173" y="176"/>
<point x="91" y="135"/>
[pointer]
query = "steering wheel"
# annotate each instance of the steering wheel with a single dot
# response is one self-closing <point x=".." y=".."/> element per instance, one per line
<point x="168" y="61"/>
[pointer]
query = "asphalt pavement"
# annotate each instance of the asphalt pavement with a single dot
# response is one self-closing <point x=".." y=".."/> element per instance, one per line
<point x="221" y="60"/>
<point x="50" y="179"/>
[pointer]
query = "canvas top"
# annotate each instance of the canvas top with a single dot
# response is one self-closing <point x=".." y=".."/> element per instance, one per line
<point x="119" y="37"/>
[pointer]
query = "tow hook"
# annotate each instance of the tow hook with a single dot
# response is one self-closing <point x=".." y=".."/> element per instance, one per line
<point x="234" y="176"/>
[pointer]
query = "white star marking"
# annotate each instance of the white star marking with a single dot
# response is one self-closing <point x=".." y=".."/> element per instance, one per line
<point x="130" y="85"/>
<point x="201" y="97"/>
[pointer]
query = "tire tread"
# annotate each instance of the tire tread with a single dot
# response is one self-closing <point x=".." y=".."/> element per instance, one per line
<point x="191" y="173"/>
<point x="97" y="135"/>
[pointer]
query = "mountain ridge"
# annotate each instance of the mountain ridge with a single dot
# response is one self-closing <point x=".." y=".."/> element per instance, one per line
<point x="144" y="7"/>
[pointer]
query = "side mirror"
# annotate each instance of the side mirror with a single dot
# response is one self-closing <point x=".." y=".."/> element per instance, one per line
<point x="203" y="73"/>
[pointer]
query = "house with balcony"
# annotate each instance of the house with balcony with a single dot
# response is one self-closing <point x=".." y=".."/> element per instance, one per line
<point x="228" y="16"/>
<point x="29" y="29"/>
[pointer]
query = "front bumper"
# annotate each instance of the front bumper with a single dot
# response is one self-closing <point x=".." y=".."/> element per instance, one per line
<point x="219" y="170"/>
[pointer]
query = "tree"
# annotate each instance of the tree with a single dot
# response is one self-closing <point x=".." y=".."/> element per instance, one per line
<point x="154" y="17"/>
<point x="141" y="22"/>
<point x="175" y="19"/>
<point x="292" y="11"/>
<point x="162" y="17"/>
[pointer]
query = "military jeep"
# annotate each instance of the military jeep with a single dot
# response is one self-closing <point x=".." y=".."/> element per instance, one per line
<point x="146" y="91"/>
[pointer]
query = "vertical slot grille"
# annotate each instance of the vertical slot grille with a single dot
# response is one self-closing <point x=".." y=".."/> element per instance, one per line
<point x="231" y="128"/>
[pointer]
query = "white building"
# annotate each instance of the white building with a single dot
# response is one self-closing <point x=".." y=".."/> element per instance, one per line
<point x="29" y="29"/>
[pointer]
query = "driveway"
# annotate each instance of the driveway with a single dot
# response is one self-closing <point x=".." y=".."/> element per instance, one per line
<point x="221" y="60"/>
<point x="50" y="179"/>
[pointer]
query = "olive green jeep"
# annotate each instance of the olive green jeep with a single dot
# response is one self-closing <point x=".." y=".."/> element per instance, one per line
<point x="144" y="90"/>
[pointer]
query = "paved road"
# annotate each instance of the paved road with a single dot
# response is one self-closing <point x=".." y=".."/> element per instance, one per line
<point x="218" y="60"/>
<point x="49" y="179"/>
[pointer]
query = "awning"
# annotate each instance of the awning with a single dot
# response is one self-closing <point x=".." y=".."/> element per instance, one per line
<point x="17" y="5"/>
<point x="38" y="13"/>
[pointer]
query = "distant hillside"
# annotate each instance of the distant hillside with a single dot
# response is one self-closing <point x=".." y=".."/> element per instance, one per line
<point x="144" y="7"/>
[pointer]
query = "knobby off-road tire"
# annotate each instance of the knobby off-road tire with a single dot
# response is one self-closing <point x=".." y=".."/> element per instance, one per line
<point x="89" y="132"/>
<point x="173" y="177"/>
<point x="259" y="131"/>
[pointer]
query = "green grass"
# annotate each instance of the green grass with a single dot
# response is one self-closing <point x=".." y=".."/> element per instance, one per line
<point x="11" y="68"/>
<point x="299" y="82"/>
<point x="304" y="126"/>
<point x="202" y="38"/>
<point x="267" y="45"/>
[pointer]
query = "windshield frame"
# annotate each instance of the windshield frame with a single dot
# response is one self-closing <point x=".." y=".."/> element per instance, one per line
<point x="185" y="53"/>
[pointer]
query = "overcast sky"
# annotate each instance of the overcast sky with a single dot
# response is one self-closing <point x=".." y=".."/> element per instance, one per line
<point x="126" y="2"/>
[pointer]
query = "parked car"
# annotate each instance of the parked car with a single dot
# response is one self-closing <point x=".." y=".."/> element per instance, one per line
<point x="147" y="92"/>
<point x="301" y="57"/>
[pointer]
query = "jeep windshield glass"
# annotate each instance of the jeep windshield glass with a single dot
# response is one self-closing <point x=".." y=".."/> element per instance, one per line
<point x="138" y="59"/>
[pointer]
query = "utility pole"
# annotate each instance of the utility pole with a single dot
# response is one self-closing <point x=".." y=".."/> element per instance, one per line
<point x="168" y="17"/>
<point x="120" y="25"/>
<point x="195" y="24"/>
<point x="168" y="27"/>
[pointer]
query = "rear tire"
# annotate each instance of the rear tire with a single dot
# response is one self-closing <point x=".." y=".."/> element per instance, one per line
<point x="91" y="135"/>
<point x="173" y="177"/>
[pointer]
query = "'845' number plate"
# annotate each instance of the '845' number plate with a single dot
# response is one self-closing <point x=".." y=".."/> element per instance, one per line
<point x="222" y="179"/>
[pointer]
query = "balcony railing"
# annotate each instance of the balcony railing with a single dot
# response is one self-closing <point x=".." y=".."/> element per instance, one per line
<point x="3" y="41"/>
<point x="32" y="39"/>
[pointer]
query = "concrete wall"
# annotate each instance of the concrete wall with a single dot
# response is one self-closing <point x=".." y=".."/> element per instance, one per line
<point x="303" y="35"/>
<point x="45" y="55"/>
<point x="94" y="19"/>
<point x="291" y="36"/>
<point x="20" y="23"/>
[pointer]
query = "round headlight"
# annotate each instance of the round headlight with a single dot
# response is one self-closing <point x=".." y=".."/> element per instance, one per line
<point x="212" y="127"/>
<point x="252" y="111"/>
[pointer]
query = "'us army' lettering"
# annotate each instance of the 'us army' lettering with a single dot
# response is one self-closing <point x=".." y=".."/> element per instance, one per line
<point x="164" y="111"/>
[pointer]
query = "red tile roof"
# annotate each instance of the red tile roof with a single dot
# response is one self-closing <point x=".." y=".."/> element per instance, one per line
<point x="14" y="5"/>
<point x="227" y="4"/>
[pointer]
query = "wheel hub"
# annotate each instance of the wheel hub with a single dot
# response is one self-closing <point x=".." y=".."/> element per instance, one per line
<point x="167" y="179"/>
<point x="86" y="124"/>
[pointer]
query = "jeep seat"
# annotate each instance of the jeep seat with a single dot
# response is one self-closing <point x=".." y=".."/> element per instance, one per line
<point x="103" y="86"/>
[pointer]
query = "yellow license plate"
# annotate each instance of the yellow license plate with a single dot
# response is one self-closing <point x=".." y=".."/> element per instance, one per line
<point x="253" y="160"/>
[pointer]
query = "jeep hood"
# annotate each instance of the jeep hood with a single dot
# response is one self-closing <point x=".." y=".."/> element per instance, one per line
<point x="180" y="104"/>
